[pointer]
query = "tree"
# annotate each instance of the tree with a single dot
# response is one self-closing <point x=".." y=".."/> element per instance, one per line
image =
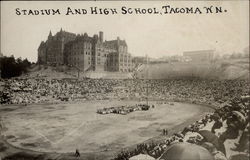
<point x="11" y="67"/>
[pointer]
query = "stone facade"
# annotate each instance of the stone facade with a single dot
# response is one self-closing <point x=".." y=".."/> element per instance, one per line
<point x="199" y="56"/>
<point x="85" y="52"/>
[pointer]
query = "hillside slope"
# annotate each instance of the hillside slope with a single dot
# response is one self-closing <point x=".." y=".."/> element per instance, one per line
<point x="223" y="69"/>
<point x="60" y="72"/>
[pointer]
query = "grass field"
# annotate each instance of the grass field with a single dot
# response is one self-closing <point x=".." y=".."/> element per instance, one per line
<point x="65" y="127"/>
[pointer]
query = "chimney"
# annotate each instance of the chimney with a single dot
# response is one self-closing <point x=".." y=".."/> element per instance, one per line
<point x="118" y="40"/>
<point x="101" y="36"/>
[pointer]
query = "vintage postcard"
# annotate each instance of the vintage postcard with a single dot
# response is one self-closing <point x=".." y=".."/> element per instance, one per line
<point x="124" y="80"/>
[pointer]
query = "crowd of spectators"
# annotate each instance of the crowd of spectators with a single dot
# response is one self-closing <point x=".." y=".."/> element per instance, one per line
<point x="235" y="120"/>
<point x="124" y="109"/>
<point x="26" y="91"/>
<point x="231" y="94"/>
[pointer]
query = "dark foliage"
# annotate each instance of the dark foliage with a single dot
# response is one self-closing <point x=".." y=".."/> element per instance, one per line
<point x="25" y="156"/>
<point x="11" y="67"/>
<point x="2" y="147"/>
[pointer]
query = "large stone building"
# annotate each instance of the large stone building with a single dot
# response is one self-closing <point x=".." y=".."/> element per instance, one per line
<point x="200" y="55"/>
<point x="85" y="52"/>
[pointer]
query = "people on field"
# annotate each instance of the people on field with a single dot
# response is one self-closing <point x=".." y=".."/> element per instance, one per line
<point x="77" y="153"/>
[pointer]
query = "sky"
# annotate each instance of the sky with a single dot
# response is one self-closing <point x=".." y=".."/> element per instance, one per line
<point x="152" y="35"/>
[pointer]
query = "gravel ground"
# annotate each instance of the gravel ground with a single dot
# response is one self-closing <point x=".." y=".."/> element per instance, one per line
<point x="62" y="128"/>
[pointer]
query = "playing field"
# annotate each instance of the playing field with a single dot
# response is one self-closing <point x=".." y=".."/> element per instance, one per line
<point x="65" y="127"/>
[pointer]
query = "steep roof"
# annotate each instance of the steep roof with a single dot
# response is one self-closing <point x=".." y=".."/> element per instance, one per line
<point x="42" y="44"/>
<point x="116" y="42"/>
<point x="65" y="34"/>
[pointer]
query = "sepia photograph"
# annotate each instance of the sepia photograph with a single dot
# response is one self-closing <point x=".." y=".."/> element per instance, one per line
<point x="124" y="80"/>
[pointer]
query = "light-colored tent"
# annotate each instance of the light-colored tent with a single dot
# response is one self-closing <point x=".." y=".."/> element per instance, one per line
<point x="186" y="151"/>
<point x="142" y="157"/>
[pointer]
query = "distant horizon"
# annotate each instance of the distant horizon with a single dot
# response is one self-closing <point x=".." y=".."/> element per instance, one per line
<point x="155" y="36"/>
